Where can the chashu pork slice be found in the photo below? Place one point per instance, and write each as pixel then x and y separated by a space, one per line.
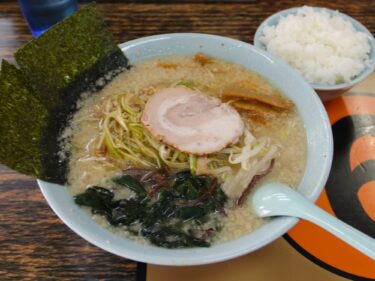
pixel 190 121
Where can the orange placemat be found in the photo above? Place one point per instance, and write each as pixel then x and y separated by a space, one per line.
pixel 308 252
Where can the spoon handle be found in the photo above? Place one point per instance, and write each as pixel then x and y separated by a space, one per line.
pixel 303 208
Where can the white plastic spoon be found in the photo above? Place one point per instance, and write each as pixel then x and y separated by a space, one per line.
pixel 276 199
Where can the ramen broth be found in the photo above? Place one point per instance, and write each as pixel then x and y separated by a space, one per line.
pixel 286 131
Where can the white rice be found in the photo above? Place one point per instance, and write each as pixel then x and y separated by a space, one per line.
pixel 324 47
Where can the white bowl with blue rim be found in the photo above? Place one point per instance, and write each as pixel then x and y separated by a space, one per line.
pixel 319 155
pixel 325 92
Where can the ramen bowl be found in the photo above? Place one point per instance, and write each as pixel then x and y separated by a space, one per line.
pixel 319 152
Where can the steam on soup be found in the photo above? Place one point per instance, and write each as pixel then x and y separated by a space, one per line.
pixel 167 152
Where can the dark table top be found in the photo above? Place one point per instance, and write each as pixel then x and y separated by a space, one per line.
pixel 35 244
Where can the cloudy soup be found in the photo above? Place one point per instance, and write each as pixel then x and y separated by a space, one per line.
pixel 169 151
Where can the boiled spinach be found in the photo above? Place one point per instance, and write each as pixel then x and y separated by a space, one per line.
pixel 131 183
pixel 171 218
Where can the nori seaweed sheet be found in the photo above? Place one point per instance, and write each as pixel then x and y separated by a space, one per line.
pixel 54 167
pixel 60 56
pixel 23 119
pixel 40 98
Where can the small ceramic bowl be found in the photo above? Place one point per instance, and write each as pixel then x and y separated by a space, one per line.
pixel 325 92
pixel 318 163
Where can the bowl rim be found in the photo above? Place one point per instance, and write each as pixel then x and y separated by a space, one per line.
pixel 194 256
pixel 366 72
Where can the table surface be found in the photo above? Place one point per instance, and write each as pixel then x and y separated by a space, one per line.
pixel 35 244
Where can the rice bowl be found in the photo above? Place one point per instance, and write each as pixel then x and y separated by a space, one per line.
pixel 324 90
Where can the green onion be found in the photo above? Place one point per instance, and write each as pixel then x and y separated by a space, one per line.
pixel 193 161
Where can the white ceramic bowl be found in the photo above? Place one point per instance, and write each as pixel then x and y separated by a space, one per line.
pixel 319 143
pixel 325 92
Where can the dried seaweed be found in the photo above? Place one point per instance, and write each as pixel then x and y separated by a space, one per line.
pixel 22 121
pixel 69 58
pixel 74 56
